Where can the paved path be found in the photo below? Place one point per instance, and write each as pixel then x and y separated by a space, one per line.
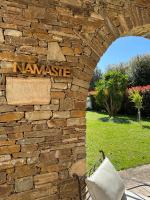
pixel 142 174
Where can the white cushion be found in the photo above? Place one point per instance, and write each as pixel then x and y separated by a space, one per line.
pixel 131 196
pixel 105 183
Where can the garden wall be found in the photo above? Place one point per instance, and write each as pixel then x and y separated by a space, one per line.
pixel 48 51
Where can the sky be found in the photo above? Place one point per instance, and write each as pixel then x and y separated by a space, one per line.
pixel 123 49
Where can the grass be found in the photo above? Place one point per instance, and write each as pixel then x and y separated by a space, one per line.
pixel 124 141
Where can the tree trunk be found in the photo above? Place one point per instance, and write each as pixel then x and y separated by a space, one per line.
pixel 139 115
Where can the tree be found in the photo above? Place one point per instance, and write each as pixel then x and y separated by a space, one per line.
pixel 96 76
pixel 110 91
pixel 139 71
pixel 122 67
pixel 137 99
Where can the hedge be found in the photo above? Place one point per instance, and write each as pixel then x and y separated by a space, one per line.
pixel 127 106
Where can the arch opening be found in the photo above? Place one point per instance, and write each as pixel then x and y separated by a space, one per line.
pixel 93 146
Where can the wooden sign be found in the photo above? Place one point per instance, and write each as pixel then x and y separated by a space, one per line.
pixel 34 69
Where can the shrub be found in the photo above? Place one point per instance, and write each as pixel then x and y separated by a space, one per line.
pixel 129 108
pixel 137 99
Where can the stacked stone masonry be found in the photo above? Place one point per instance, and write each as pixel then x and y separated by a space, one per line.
pixel 42 145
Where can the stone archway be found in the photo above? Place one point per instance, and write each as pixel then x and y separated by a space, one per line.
pixel 42 143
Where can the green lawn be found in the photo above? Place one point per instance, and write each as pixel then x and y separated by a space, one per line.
pixel 124 141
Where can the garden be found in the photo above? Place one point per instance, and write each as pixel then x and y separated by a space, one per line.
pixel 119 122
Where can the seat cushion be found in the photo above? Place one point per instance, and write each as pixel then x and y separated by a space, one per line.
pixel 132 196
pixel 105 183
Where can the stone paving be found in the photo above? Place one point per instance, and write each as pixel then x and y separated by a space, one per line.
pixel 141 174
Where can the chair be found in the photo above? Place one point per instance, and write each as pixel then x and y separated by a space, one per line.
pixel 84 192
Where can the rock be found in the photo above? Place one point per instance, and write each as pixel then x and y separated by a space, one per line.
pixel 72 59
pixel 33 160
pixel 50 107
pixel 79 105
pixel 24 184
pixel 6 47
pixel 45 178
pixel 75 121
pixel 62 86
pixel 11 116
pixel 61 114
pixel 56 123
pixel 58 95
pixel 66 104
pixel 77 113
pixel 1 36
pixel 5 190
pixel 11 56
pixel 77 51
pixel 5 64
pixel 7 142
pixel 31 141
pixel 9 149
pixel 2 177
pixel 80 83
pixel 16 129
pixel 42 133
pixel 34 12
pixel 38 115
pixel 26 108
pixel 3 137
pixel 5 158
pixel 55 101
pixel 29 148
pixel 25 91
pixel 14 33
pixel 12 163
pixel 2 100
pixel 6 108
pixel 17 136
pixel 78 168
pixel 25 170
pixel 75 3
pixel 21 41
pixel 67 51
pixel 55 53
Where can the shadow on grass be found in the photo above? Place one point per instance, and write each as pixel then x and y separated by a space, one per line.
pixel 144 126
pixel 116 120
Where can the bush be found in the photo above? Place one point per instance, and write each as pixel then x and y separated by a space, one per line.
pixel 128 106
pixel 137 98
pixel 95 105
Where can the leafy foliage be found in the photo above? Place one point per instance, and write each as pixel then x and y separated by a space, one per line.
pixel 122 67
pixel 139 71
pixel 110 91
pixel 137 99
pixel 96 76
pixel 130 106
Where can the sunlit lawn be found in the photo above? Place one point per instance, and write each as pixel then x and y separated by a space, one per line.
pixel 124 141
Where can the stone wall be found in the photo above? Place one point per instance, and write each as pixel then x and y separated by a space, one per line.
pixel 42 141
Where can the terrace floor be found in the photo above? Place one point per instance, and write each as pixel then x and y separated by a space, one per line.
pixel 141 174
